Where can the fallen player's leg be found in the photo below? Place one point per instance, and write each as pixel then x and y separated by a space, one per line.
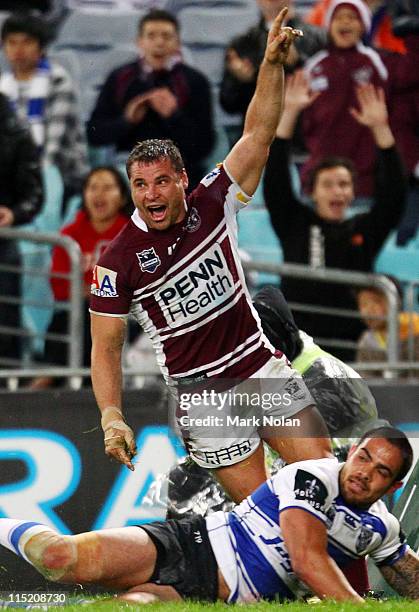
pixel 115 558
pixel 164 561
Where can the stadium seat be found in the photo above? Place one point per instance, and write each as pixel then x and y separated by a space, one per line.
pixel 258 239
pixel 215 26
pixel 219 151
pixel 68 59
pixel 175 6
pixel 97 64
pixel 208 59
pixel 401 262
pixel 36 291
pixel 73 207
pixel 99 29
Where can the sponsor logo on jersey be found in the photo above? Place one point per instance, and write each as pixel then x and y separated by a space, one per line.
pixel 149 260
pixel 364 539
pixel 211 176
pixel 193 292
pixel 104 282
pixel 193 222
pixel 309 488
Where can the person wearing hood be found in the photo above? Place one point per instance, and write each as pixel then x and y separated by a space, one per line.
pixel 335 73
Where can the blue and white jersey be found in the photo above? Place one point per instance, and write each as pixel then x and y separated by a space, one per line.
pixel 248 542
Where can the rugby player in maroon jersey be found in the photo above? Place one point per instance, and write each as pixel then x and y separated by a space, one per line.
pixel 176 269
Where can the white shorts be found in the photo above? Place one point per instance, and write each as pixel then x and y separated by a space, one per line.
pixel 223 428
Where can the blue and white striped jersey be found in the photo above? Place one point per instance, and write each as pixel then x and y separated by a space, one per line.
pixel 248 543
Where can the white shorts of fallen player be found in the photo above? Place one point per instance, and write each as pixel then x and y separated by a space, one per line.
pixel 223 428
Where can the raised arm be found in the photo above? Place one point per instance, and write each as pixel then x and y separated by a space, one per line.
pixel 403 576
pixel 305 537
pixel 108 334
pixel 281 201
pixel 372 113
pixel 390 184
pixel 247 159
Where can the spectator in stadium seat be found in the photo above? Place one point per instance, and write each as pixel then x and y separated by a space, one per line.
pixel 176 268
pixel 372 345
pixel 322 236
pixel 328 128
pixel 288 540
pixel 157 96
pixel 43 95
pixel 105 207
pixel 120 5
pixel 245 53
pixel 21 195
pixel 380 34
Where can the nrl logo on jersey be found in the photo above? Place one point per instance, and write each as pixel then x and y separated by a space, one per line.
pixel 364 539
pixel 193 222
pixel 149 260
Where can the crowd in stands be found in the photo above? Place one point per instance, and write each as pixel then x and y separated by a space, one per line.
pixel 351 113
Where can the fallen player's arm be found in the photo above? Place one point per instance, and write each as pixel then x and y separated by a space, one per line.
pixel 305 537
pixel 403 576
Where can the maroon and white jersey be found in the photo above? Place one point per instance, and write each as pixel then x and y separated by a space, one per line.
pixel 186 288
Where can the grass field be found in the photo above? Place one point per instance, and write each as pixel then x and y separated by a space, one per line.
pixel 393 605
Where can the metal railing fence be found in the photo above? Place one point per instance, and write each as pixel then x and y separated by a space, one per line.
pixel 74 337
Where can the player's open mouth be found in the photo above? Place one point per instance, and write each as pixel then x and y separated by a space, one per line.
pixel 158 212
pixel 356 486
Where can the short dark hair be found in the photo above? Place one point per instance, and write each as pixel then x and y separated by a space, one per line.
pixel 24 23
pixel 397 438
pixel 158 15
pixel 122 185
pixel 328 162
pixel 155 149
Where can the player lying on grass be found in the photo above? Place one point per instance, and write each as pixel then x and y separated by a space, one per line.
pixel 285 541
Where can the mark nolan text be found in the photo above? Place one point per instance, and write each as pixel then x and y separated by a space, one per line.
pixel 264 421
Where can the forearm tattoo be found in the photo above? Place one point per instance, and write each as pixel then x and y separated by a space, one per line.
pixel 403 576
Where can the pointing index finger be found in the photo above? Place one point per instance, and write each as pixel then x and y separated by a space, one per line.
pixel 277 24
